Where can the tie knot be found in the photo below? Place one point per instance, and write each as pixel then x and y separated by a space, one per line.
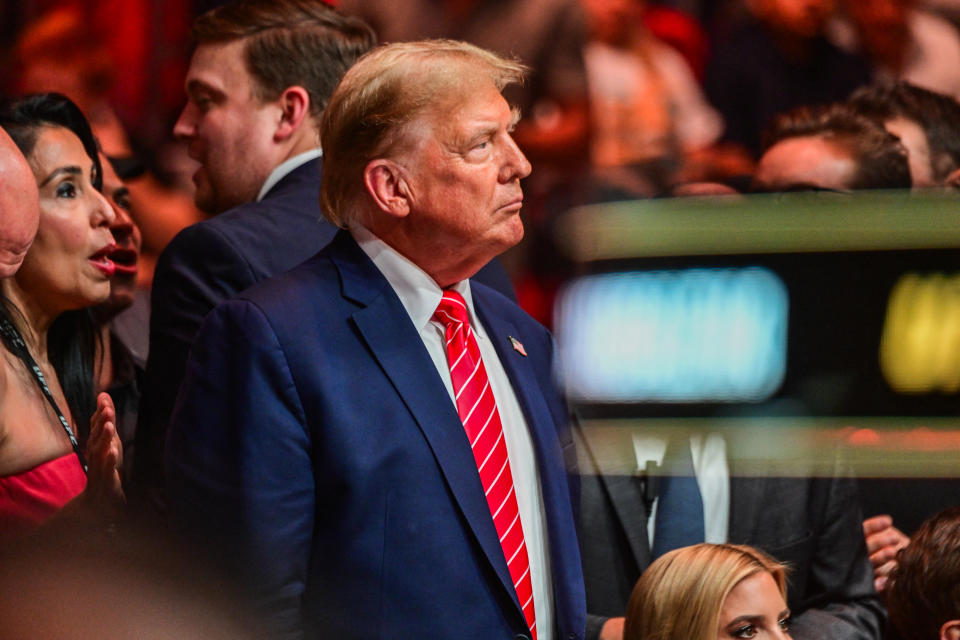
pixel 452 309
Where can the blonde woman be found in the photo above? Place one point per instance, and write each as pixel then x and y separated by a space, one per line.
pixel 707 592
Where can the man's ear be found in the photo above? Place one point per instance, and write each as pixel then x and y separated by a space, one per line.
pixel 294 105
pixel 950 630
pixel 387 186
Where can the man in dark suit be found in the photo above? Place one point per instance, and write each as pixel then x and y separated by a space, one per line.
pixel 372 439
pixel 809 519
pixel 257 85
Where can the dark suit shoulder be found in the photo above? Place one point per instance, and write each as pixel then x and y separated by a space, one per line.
pixel 278 232
pixel 314 277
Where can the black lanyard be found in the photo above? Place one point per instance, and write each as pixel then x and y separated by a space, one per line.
pixel 13 338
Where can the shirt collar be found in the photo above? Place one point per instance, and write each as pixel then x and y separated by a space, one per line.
pixel 281 170
pixel 418 292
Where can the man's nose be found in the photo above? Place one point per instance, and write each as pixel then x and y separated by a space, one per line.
pixel 185 126
pixel 122 227
pixel 515 165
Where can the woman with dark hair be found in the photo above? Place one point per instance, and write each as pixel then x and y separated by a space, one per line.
pixel 46 368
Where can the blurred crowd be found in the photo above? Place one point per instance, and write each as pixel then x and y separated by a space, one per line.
pixel 152 165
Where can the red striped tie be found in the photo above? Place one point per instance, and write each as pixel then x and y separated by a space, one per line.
pixel 481 420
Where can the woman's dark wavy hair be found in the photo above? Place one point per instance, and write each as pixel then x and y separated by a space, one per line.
pixel 72 338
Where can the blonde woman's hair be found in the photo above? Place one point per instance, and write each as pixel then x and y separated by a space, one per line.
pixel 383 92
pixel 680 595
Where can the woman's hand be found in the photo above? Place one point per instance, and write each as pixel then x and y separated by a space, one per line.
pixel 104 457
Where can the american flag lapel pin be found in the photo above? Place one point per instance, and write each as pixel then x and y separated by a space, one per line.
pixel 518 346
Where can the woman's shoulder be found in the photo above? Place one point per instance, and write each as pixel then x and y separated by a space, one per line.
pixel 27 433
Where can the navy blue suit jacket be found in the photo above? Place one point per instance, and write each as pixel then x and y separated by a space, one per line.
pixel 315 435
pixel 205 264
pixel 212 261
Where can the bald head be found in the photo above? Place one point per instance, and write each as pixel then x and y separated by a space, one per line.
pixel 19 206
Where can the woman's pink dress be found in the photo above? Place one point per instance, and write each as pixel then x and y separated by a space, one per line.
pixel 29 498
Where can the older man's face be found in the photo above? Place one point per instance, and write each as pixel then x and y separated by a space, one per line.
pixel 19 206
pixel 463 170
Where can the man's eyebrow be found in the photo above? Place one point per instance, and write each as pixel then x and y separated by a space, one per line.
pixel 196 86
pixel 72 170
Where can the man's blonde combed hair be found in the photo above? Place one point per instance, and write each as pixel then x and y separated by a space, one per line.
pixel 680 595
pixel 385 90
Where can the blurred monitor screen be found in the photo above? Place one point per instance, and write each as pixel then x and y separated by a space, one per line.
pixel 793 305
pixel 686 335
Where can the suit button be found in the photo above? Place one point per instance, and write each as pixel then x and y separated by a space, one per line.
pixel 521 636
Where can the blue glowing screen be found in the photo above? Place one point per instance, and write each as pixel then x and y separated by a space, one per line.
pixel 691 335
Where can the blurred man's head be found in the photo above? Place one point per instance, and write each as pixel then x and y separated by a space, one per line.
pixel 418 147
pixel 927 123
pixel 798 18
pixel 830 148
pixel 923 595
pixel 19 206
pixel 257 84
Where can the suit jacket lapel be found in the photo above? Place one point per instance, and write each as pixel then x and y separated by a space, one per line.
pixel 626 498
pixel 398 349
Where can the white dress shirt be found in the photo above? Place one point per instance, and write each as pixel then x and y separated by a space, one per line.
pixel 420 296
pixel 709 451
pixel 281 170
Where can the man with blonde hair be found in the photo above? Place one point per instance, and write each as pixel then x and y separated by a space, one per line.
pixel 379 435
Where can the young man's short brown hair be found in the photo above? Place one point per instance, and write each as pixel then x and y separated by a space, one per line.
pixel 289 43
pixel 924 589
pixel 880 158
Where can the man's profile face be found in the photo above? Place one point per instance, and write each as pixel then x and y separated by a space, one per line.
pixel 463 170
pixel 126 235
pixel 805 163
pixel 227 129
pixel 19 206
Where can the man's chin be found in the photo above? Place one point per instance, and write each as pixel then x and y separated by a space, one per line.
pixel 514 232
pixel 207 202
